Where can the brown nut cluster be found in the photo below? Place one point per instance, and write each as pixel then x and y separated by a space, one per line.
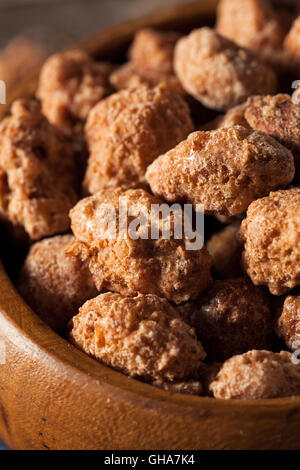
pixel 121 262
pixel 288 323
pixel 257 374
pixel 271 235
pixel 70 84
pixel 153 50
pixel 253 24
pixel 278 117
pixel 226 251
pixel 37 172
pixel 142 336
pixel 128 130
pixel 225 170
pixel 219 73
pixel 53 284
pixel 230 318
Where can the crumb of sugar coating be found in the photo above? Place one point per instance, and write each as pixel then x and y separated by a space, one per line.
pixel 271 235
pixel 127 76
pixel 121 263
pixel 288 323
pixel 142 336
pixel 256 375
pixel 70 84
pixel 189 387
pixel 37 172
pixel 226 251
pixel 278 117
pixel 128 130
pixel 219 73
pixel 225 170
pixel 253 24
pixel 153 50
pixel 52 283
pixel 231 317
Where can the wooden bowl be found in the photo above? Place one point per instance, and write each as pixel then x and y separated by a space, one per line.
pixel 52 396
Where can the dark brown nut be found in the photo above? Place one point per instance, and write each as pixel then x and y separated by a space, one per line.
pixel 142 336
pixel 153 50
pixel 37 172
pixel 271 234
pixel 253 24
pixel 121 263
pixel 257 374
pixel 127 76
pixel 232 317
pixel 278 117
pixel 53 284
pixel 128 130
pixel 219 73
pixel 70 84
pixel 226 252
pixel 288 323
pixel 225 170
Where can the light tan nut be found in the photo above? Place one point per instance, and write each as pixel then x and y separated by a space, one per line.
pixel 234 117
pixel 153 50
pixel 37 172
pixel 278 117
pixel 225 170
pixel 253 24
pixel 271 232
pixel 257 374
pixel 53 284
pixel 70 84
pixel 219 73
pixel 142 336
pixel 232 317
pixel 226 251
pixel 288 323
pixel 121 263
pixel 127 76
pixel 128 130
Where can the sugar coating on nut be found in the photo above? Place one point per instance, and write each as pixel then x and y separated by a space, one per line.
pixel 153 50
pixel 257 374
pixel 225 170
pixel 121 263
pixel 219 73
pixel 52 283
pixel 253 24
pixel 271 234
pixel 226 251
pixel 128 130
pixel 70 84
pixel 142 336
pixel 234 117
pixel 230 318
pixel 128 76
pixel 278 117
pixel 37 172
pixel 288 323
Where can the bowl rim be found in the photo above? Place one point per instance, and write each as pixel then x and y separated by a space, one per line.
pixel 21 325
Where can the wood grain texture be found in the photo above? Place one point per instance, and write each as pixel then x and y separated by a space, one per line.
pixel 52 396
